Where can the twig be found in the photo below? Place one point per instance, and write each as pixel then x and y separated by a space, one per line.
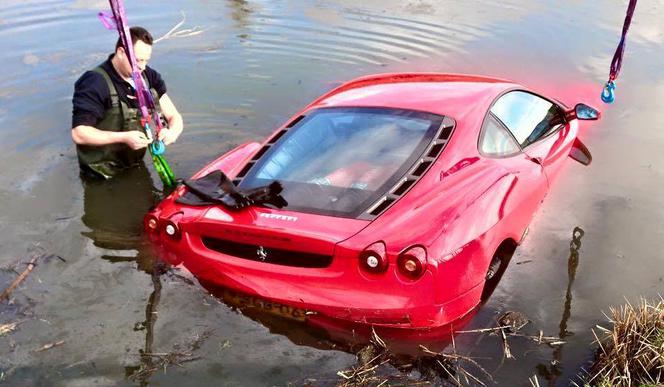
pixel 157 354
pixel 506 347
pixel 7 328
pixel 534 382
pixel 456 358
pixel 469 375
pixel 50 345
pixel 165 359
pixel 174 33
pixel 7 292
pixel 458 383
pixel 375 338
pixel 500 328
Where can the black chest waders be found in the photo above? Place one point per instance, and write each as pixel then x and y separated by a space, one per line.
pixel 107 161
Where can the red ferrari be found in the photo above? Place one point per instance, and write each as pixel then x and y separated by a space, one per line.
pixel 395 200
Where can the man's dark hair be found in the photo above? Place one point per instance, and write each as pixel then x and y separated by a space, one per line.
pixel 137 33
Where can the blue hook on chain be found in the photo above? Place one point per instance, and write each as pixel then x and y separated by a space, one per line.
pixel 157 148
pixel 608 92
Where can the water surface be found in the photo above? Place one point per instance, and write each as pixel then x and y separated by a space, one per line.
pixel 255 64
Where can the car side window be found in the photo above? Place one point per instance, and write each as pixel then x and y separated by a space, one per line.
pixel 528 116
pixel 496 141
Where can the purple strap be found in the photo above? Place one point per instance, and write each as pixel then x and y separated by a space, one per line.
pixel 118 20
pixel 107 20
pixel 616 63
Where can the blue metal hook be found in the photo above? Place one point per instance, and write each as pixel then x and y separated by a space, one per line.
pixel 608 92
pixel 157 148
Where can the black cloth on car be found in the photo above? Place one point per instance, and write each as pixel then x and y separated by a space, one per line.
pixel 217 188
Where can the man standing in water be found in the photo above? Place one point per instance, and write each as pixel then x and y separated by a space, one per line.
pixel 106 123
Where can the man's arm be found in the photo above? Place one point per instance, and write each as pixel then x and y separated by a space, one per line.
pixel 90 101
pixel 175 124
pixel 89 135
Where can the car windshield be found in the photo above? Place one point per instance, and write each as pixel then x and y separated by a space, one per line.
pixel 338 161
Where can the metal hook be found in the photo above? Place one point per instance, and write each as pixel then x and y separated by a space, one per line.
pixel 157 148
pixel 608 92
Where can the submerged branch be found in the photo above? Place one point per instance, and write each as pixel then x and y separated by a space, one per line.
pixel 24 274
pixel 48 346
pixel 174 33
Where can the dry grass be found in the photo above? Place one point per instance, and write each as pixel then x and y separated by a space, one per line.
pixel 632 354
pixel 434 368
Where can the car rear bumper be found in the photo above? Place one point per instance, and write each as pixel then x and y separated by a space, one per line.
pixel 341 291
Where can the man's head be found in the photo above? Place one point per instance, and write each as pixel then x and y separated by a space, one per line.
pixel 142 41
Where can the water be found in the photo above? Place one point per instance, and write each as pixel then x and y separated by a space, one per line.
pixel 255 64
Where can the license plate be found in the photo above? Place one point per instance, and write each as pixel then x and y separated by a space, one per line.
pixel 242 301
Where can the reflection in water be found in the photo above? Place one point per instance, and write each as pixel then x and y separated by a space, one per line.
pixel 142 372
pixel 393 356
pixel 114 212
pixel 241 12
pixel 321 332
pixel 572 263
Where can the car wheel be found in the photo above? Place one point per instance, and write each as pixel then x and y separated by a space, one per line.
pixel 494 267
pixel 497 267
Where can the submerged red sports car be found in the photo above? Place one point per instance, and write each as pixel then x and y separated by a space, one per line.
pixel 399 196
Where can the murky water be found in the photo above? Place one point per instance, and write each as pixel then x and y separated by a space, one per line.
pixel 255 64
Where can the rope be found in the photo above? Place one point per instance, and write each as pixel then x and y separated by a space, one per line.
pixel 608 92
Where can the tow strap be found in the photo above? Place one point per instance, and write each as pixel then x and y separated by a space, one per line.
pixel 145 101
pixel 608 92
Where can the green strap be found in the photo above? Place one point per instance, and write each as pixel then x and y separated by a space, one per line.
pixel 163 170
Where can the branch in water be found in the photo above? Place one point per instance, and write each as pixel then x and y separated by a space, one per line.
pixel 174 33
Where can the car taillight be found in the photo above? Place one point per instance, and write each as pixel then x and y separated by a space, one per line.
pixel 172 230
pixel 151 223
pixel 374 258
pixel 412 262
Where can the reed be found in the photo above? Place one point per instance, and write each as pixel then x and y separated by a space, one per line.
pixel 632 353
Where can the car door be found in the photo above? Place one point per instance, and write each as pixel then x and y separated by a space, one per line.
pixel 529 184
pixel 539 126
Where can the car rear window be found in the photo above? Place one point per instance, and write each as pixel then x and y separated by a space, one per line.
pixel 337 161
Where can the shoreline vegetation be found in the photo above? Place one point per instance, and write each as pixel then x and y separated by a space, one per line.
pixel 632 352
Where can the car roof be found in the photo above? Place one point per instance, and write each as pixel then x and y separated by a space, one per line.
pixel 452 95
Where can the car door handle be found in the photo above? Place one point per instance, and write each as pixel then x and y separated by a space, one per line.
pixel 536 160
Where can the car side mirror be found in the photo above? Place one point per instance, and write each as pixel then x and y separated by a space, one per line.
pixel 585 112
pixel 580 152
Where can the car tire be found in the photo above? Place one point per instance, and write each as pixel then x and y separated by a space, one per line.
pixel 497 267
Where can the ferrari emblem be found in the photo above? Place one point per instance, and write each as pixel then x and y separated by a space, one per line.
pixel 261 253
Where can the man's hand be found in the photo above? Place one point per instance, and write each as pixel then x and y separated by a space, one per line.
pixel 174 119
pixel 168 136
pixel 136 140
